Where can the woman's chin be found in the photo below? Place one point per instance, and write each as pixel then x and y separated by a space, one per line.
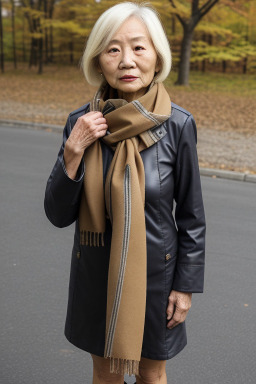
pixel 131 91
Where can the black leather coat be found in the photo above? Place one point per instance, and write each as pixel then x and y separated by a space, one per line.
pixel 175 247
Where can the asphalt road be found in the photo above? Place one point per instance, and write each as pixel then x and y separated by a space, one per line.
pixel 35 261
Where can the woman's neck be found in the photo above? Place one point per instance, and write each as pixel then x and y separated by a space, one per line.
pixel 132 95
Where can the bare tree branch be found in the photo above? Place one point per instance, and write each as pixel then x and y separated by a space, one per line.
pixel 206 7
pixel 182 21
pixel 172 3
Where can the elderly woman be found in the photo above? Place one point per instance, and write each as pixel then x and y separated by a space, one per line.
pixel 126 157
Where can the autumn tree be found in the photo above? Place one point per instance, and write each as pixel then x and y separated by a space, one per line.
pixel 224 37
pixel 56 31
pixel 39 14
pixel 189 24
pixel 33 13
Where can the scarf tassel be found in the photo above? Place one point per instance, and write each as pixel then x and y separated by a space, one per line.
pixel 124 366
pixel 89 238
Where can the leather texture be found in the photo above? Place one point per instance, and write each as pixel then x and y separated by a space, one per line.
pixel 175 230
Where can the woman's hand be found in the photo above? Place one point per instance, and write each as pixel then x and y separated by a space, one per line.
pixel 178 307
pixel 88 128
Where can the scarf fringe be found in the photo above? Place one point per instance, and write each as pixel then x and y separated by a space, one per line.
pixel 124 366
pixel 92 239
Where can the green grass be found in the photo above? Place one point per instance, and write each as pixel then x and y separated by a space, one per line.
pixel 238 84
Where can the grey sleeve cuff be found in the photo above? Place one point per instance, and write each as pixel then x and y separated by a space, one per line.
pixel 80 171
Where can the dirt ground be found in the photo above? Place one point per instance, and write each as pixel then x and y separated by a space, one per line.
pixel 225 120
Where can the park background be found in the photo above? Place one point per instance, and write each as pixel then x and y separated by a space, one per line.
pixel 213 76
pixel 41 82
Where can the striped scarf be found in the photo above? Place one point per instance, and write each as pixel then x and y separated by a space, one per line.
pixel 129 132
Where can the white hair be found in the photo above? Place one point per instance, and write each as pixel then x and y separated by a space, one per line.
pixel 107 25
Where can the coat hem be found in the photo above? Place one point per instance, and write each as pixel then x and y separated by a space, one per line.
pixel 164 356
pixel 83 347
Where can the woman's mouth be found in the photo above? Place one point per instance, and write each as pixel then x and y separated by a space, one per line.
pixel 128 78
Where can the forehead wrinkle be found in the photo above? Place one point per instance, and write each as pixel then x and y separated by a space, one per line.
pixel 133 39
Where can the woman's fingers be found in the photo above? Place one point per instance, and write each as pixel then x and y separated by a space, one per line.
pixel 170 309
pixel 87 129
pixel 93 114
pixel 91 122
pixel 100 121
pixel 178 317
pixel 102 127
pixel 178 307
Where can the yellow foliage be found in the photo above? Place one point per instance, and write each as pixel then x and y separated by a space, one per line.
pixel 33 13
pixel 229 27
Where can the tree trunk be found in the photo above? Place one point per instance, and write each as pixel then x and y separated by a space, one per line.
pixel 1 40
pixel 46 45
pixel 51 45
pixel 189 24
pixel 40 56
pixel 183 77
pixel 203 65
pixel 71 52
pixel 23 39
pixel 46 39
pixel 40 44
pixel 173 25
pixel 245 65
pixel 34 44
pixel 33 52
pixel 224 66
pixel 13 35
pixel 51 9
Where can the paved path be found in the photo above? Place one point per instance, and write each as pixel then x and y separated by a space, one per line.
pixel 35 260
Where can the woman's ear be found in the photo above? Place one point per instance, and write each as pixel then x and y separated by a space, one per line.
pixel 158 65
pixel 97 65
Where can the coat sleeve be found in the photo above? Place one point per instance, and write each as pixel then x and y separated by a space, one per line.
pixel 189 214
pixel 62 195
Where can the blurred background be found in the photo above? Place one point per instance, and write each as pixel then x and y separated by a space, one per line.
pixel 213 44
pixel 214 67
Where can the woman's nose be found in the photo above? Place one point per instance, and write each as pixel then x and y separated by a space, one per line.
pixel 127 60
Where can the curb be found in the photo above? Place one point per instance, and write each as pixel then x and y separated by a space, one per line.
pixel 31 125
pixel 210 172
pixel 231 175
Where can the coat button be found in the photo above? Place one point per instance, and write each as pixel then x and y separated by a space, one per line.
pixel 168 256
pixel 78 255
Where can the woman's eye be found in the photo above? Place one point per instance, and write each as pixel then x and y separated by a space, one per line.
pixel 138 48
pixel 113 50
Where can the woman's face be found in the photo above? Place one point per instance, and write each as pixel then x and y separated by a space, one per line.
pixel 130 61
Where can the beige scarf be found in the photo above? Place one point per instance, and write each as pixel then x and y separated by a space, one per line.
pixel 129 132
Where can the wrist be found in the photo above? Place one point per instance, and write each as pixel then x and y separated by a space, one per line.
pixel 73 150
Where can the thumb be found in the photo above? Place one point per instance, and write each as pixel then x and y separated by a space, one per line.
pixel 170 310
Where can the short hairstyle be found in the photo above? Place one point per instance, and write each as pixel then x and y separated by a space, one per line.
pixel 107 25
